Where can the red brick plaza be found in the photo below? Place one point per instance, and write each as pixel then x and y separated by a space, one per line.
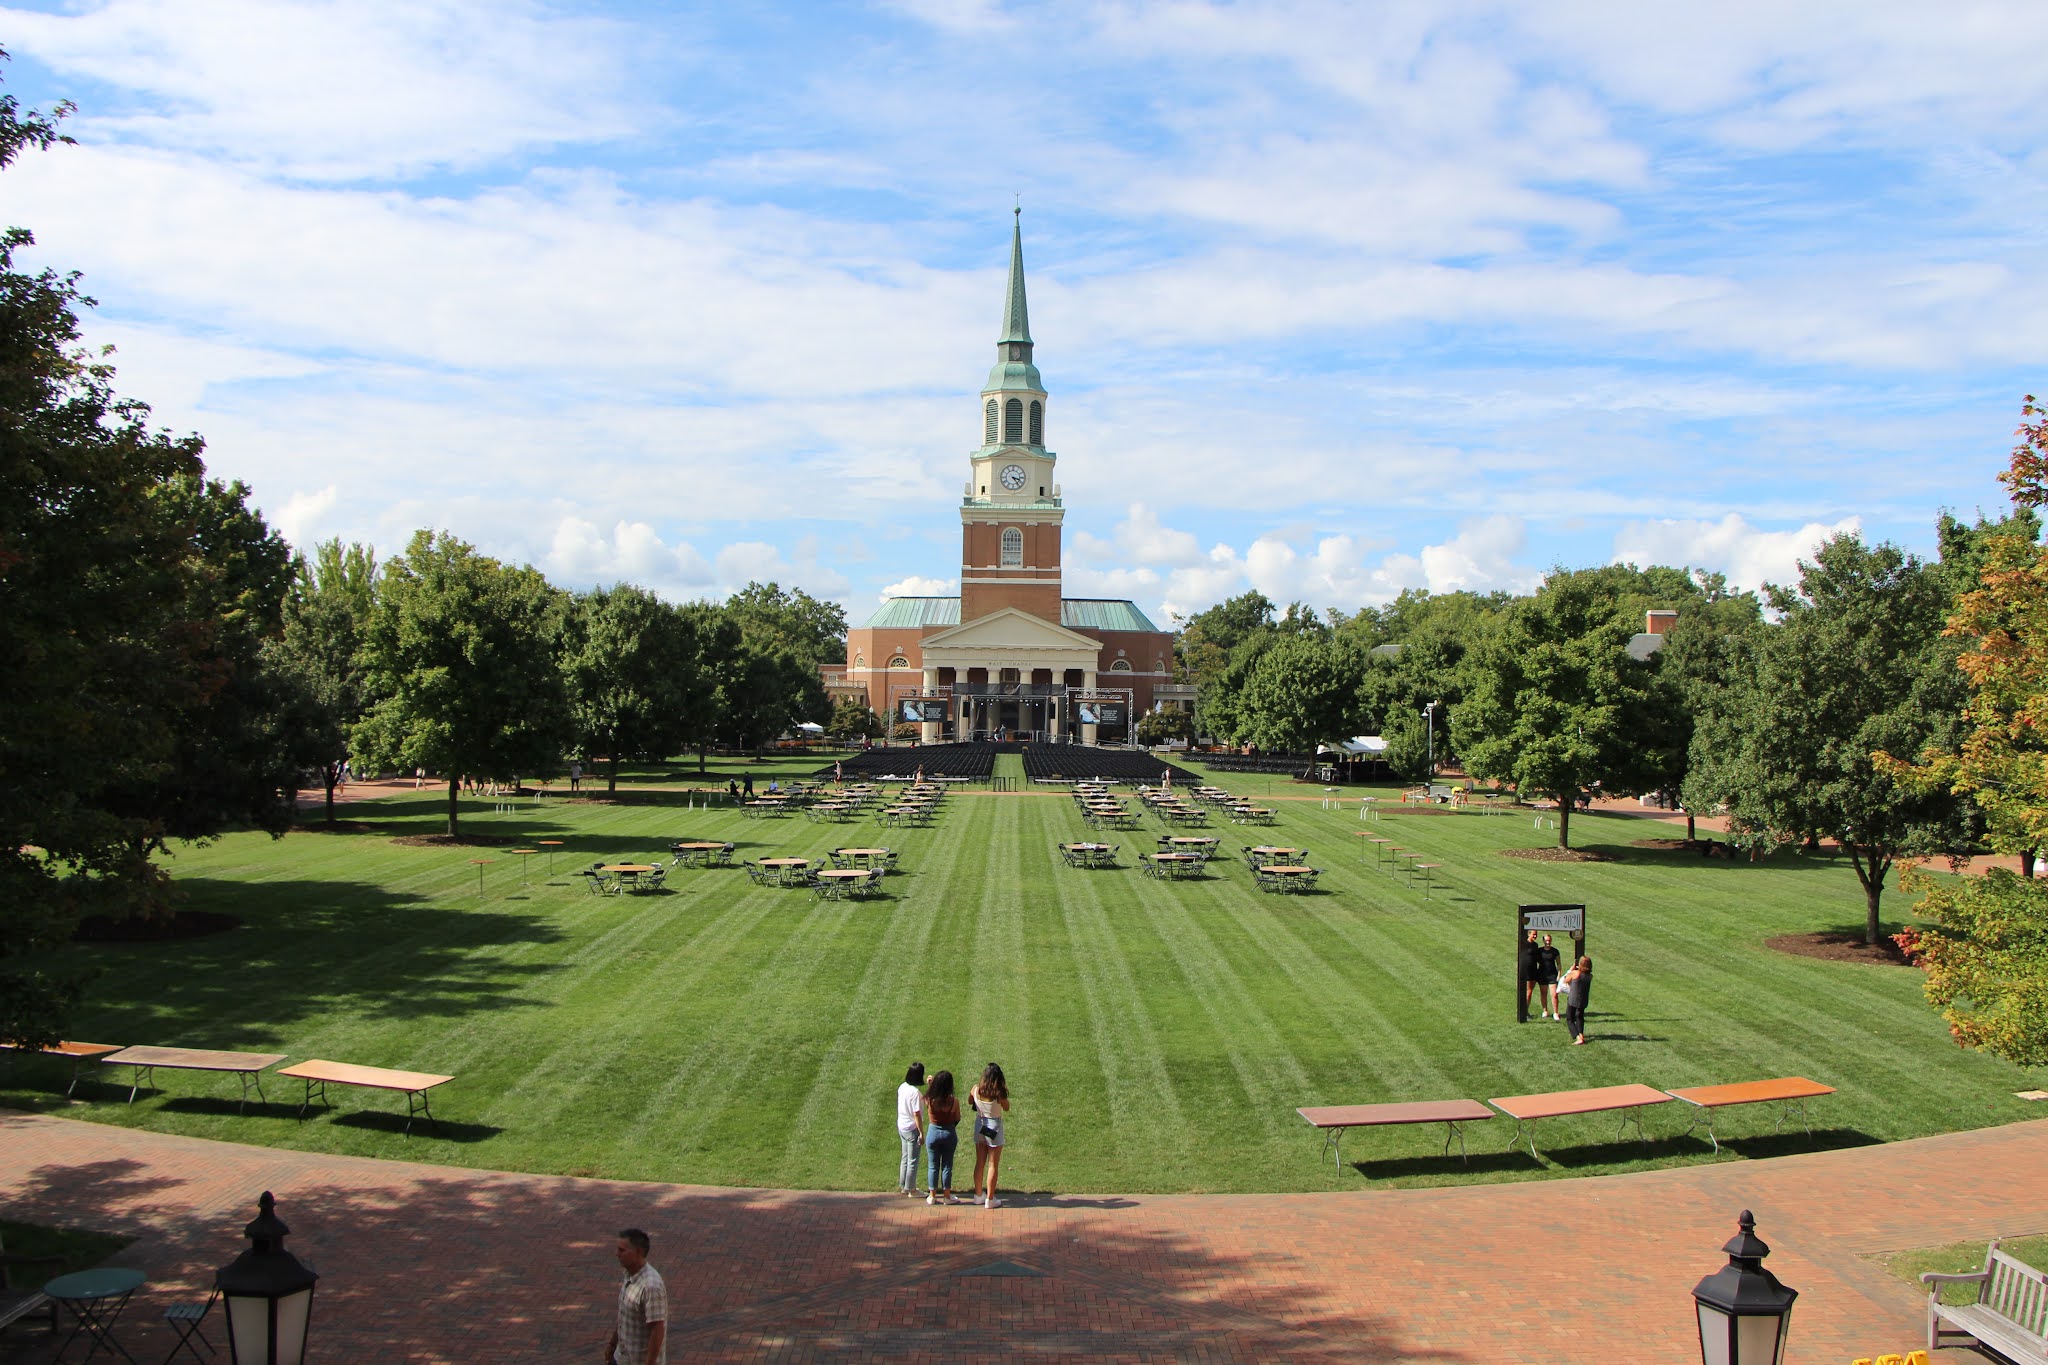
pixel 431 1263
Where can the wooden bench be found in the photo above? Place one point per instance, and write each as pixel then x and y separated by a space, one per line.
pixel 2010 1314
pixel 318 1075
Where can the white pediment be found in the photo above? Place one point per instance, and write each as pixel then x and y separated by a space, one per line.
pixel 1009 629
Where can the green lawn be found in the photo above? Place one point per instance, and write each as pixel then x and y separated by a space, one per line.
pixel 1157 1036
pixel 1961 1258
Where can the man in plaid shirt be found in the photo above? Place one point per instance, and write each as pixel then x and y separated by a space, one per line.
pixel 641 1336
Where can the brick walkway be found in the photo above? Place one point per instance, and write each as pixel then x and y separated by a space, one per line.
pixel 430 1264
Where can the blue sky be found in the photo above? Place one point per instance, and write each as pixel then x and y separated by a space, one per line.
pixel 1332 299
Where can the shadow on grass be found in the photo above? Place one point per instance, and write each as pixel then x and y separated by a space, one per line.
pixel 873 1279
pixel 308 949
pixel 1410 1167
pixel 423 1129
pixel 1792 1141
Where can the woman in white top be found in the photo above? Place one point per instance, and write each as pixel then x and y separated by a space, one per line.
pixel 910 1127
pixel 991 1098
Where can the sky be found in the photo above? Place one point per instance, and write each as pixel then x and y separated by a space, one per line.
pixel 1332 299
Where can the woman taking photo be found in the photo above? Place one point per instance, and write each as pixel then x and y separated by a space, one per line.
pixel 991 1097
pixel 1578 992
pixel 941 1119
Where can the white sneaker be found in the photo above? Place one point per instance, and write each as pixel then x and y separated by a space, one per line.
pixel 993 1204
pixel 931 1199
pixel 977 1199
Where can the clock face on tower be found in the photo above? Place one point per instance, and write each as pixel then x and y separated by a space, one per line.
pixel 1013 476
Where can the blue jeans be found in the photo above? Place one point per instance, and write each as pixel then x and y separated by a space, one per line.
pixel 940 1142
pixel 906 1172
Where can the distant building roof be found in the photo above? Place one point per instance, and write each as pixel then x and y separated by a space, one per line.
pixel 1095 613
pixel 1076 613
pixel 1641 647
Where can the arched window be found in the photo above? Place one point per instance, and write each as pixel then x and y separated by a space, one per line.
pixel 860 661
pixel 988 435
pixel 1013 548
pixel 899 662
pixel 1013 421
pixel 1037 423
pixel 1120 666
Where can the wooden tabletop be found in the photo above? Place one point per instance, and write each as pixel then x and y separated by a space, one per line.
pixel 843 873
pixel 523 850
pixel 1751 1092
pixel 1189 839
pixel 698 844
pixel 1559 1103
pixel 861 852
pixel 785 862
pixel 1285 871
pixel 627 867
pixel 69 1049
pixel 1274 848
pixel 347 1073
pixel 1175 858
pixel 193 1059
pixel 1411 1111
pixel 1087 848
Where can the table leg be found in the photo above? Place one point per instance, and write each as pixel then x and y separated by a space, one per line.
pixel 1635 1113
pixel 250 1080
pixel 140 1073
pixel 1525 1131
pixel 1453 1128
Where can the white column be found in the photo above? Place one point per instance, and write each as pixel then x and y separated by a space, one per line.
pixel 1088 685
pixel 929 732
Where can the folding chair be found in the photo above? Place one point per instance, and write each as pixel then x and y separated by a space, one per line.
pixel 594 879
pixel 757 874
pixel 185 1320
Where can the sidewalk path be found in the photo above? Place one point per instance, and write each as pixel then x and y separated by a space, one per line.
pixel 432 1264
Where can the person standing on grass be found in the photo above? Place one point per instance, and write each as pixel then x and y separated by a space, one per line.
pixel 910 1127
pixel 1526 960
pixel 747 789
pixel 1547 963
pixel 1578 992
pixel 991 1098
pixel 640 1336
pixel 575 774
pixel 941 1137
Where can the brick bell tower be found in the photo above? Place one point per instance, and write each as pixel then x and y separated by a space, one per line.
pixel 1010 518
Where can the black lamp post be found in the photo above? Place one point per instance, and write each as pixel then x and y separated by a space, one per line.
pixel 1744 1312
pixel 268 1293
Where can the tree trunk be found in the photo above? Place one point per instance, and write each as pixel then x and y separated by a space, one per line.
pixel 2027 863
pixel 328 775
pixel 1564 821
pixel 1871 866
pixel 611 777
pixel 454 801
pixel 700 757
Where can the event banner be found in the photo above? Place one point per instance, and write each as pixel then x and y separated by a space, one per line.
pixel 920 710
pixel 1102 713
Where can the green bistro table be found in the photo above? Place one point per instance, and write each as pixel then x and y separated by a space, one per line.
pixel 95 1298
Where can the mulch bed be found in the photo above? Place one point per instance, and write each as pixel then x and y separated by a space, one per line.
pixel 183 924
pixel 459 841
pixel 1669 845
pixel 1556 855
pixel 1839 945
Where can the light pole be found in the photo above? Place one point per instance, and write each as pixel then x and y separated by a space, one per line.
pixel 1429 721
pixel 268 1295
pixel 1744 1312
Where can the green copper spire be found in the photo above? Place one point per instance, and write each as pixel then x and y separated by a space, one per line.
pixel 1016 320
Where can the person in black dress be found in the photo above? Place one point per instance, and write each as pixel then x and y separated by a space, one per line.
pixel 1578 992
pixel 1547 963
pixel 1526 965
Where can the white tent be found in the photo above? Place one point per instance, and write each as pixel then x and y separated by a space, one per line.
pixel 1362 746
pixel 811 727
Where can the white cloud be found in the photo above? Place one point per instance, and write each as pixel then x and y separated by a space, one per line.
pixel 302 515
pixel 919 586
pixel 582 555
pixel 1748 556
pixel 367 89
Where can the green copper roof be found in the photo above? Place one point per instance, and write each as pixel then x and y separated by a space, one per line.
pixel 1016 319
pixel 1095 613
pixel 1021 375
pixel 1076 613
pixel 908 613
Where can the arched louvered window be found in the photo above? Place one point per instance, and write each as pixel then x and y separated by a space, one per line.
pixel 1013 548
pixel 1013 421
pixel 899 662
pixel 1120 666
pixel 1037 423
pixel 988 436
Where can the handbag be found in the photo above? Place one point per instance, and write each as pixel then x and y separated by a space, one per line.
pixel 986 1130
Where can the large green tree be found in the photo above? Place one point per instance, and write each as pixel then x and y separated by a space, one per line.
pixel 1855 666
pixel 461 655
pixel 630 661
pixel 317 658
pixel 1302 691
pixel 134 594
pixel 1556 704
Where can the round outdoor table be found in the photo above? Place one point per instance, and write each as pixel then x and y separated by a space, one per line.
pixel 481 863
pixel 843 874
pixel 684 851
pixel 784 866
pixel 1274 851
pixel 1284 871
pixel 550 845
pixel 1191 839
pixel 626 867
pixel 523 854
pixel 867 855
pixel 96 1298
